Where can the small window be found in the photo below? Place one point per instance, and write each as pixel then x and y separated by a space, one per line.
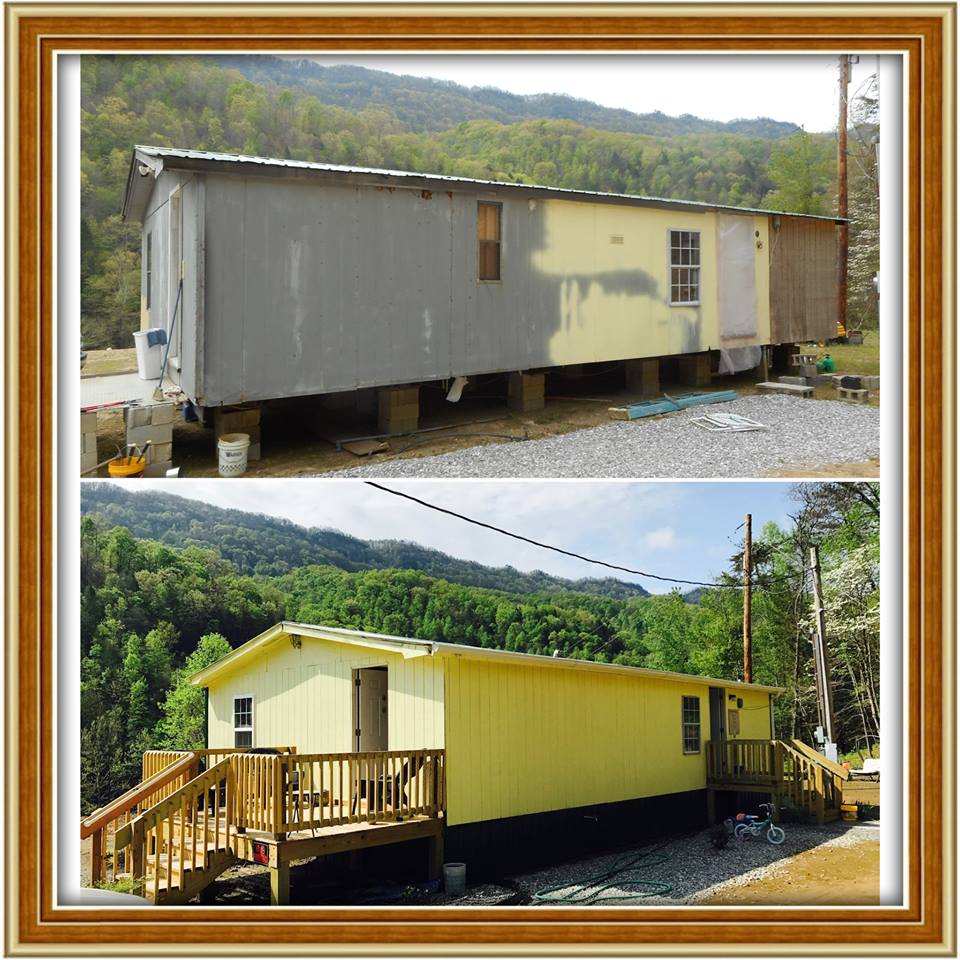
pixel 488 239
pixel 149 268
pixel 684 266
pixel 691 724
pixel 243 721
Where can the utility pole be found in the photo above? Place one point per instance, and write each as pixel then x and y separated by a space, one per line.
pixel 747 652
pixel 821 659
pixel 843 240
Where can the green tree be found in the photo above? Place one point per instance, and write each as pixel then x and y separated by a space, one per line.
pixel 183 723
pixel 802 169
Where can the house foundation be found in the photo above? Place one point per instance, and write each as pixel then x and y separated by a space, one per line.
pixel 398 409
pixel 643 377
pixel 525 392
pixel 694 370
pixel 88 441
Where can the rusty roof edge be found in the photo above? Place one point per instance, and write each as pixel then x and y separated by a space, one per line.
pixel 266 163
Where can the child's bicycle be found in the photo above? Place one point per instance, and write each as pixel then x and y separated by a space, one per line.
pixel 752 826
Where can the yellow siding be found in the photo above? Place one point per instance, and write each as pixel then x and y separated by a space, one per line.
pixel 615 296
pixel 526 739
pixel 754 715
pixel 303 697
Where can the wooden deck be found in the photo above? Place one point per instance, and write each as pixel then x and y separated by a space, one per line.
pixel 197 812
pixel 792 773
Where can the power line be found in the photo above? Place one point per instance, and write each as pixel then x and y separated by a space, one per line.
pixel 547 546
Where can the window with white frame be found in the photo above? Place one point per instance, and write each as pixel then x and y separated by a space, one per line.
pixel 691 724
pixel 243 721
pixel 684 266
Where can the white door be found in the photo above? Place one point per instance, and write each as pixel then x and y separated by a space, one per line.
pixel 371 709
pixel 736 276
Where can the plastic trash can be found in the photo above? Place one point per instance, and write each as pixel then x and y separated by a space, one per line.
pixel 149 359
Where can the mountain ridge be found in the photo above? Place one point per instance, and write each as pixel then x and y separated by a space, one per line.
pixel 272 546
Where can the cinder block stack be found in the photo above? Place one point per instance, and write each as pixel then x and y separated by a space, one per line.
pixel 154 423
pixel 398 409
pixel 245 419
pixel 525 392
pixel 88 441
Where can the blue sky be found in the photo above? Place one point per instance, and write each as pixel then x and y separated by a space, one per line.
pixel 684 530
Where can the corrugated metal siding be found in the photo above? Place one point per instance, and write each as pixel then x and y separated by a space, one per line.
pixel 303 697
pixel 316 288
pixel 529 739
pixel 803 280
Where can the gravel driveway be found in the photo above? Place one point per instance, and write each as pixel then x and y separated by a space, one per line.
pixel 800 433
pixel 690 866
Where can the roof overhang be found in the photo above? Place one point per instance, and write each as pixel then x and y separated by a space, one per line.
pixel 144 169
pixel 408 648
pixel 288 629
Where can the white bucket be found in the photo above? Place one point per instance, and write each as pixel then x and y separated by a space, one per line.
pixel 454 879
pixel 149 359
pixel 232 450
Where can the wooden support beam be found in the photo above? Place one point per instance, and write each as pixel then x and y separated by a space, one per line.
pixel 280 885
pixel 96 857
pixel 435 856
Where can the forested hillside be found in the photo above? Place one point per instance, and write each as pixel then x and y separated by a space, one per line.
pixel 271 546
pixel 347 115
pixel 151 615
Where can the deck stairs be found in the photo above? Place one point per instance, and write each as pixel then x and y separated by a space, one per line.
pixel 170 836
pixel 790 771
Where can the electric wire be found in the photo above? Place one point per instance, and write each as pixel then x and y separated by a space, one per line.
pixel 570 553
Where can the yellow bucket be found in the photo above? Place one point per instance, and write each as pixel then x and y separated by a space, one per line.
pixel 126 466
pixel 848 811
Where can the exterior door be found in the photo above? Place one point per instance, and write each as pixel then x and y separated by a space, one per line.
pixel 370 709
pixel 718 721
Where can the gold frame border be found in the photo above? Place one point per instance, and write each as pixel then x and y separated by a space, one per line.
pixel 34 925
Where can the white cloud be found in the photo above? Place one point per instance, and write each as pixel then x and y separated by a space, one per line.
pixel 663 538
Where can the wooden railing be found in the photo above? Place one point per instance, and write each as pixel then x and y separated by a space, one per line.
pixel 164 773
pixel 285 794
pixel 789 771
pixel 181 833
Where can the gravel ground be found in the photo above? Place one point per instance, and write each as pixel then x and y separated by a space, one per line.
pixel 690 865
pixel 800 433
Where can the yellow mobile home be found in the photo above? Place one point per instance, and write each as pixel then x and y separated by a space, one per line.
pixel 322 741
pixel 541 754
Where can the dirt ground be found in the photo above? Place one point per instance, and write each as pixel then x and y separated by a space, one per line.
pixel 298 435
pixel 828 875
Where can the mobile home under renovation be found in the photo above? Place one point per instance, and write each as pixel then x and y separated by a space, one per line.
pixel 291 278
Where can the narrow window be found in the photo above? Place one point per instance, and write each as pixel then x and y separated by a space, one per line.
pixel 488 237
pixel 243 721
pixel 149 267
pixel 691 724
pixel 684 266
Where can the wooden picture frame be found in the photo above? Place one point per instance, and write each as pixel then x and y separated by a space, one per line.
pixel 36 925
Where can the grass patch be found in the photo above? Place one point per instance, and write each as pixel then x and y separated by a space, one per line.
pixel 856 757
pixel 863 358
pixel 126 885
pixel 103 363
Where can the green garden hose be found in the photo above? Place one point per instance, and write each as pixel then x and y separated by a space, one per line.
pixel 594 889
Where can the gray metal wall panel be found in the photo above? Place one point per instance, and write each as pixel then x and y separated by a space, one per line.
pixel 187 322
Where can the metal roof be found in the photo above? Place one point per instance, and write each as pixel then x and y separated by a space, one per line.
pixel 177 158
pixel 409 647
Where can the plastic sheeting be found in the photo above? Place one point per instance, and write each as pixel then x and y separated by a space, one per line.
pixel 738 359
pixel 737 276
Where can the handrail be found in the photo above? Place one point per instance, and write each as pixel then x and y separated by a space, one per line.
pixel 127 801
pixel 826 762
pixel 192 810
